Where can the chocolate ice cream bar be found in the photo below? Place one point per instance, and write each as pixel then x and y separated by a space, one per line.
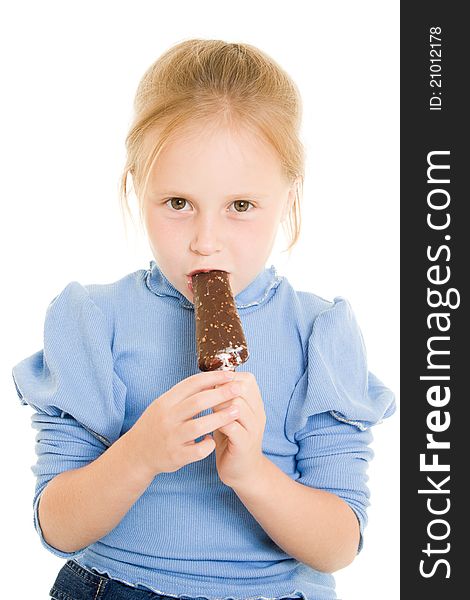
pixel 221 343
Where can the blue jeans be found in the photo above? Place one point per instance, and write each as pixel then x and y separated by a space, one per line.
pixel 77 583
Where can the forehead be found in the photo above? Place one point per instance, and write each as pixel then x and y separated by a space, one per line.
pixel 216 150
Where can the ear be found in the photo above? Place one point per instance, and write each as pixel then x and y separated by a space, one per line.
pixel 290 200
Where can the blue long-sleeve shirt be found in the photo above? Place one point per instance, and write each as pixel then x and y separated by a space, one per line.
pixel 110 350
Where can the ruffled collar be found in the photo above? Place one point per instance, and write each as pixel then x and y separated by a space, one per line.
pixel 257 292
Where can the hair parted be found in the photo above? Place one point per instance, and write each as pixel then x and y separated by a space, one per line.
pixel 197 81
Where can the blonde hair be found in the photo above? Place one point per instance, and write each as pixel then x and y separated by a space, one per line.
pixel 198 80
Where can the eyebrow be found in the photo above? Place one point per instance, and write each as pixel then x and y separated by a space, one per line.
pixel 229 197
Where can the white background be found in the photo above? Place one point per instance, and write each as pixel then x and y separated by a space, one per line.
pixel 69 72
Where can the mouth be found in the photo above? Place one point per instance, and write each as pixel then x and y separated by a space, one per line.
pixel 189 276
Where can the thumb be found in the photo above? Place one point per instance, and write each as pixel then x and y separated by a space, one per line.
pixel 218 437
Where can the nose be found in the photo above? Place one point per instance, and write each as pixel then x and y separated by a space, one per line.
pixel 207 236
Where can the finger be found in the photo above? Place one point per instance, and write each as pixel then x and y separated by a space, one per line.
pixel 245 417
pixel 236 433
pixel 244 409
pixel 202 448
pixel 195 428
pixel 251 392
pixel 196 383
pixel 193 405
pixel 246 393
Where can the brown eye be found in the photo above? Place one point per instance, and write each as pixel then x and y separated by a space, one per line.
pixel 241 205
pixel 177 203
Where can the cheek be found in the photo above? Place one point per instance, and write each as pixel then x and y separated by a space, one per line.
pixel 265 229
pixel 253 239
pixel 160 236
pixel 160 229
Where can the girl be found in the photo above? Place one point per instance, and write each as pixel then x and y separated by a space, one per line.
pixel 156 479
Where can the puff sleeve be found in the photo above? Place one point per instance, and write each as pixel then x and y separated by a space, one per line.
pixel 334 405
pixel 78 398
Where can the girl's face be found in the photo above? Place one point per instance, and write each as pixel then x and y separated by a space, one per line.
pixel 215 199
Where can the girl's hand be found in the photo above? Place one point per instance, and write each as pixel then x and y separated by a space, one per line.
pixel 162 439
pixel 239 444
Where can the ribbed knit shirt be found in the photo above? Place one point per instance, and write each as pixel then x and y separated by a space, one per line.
pixel 112 349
